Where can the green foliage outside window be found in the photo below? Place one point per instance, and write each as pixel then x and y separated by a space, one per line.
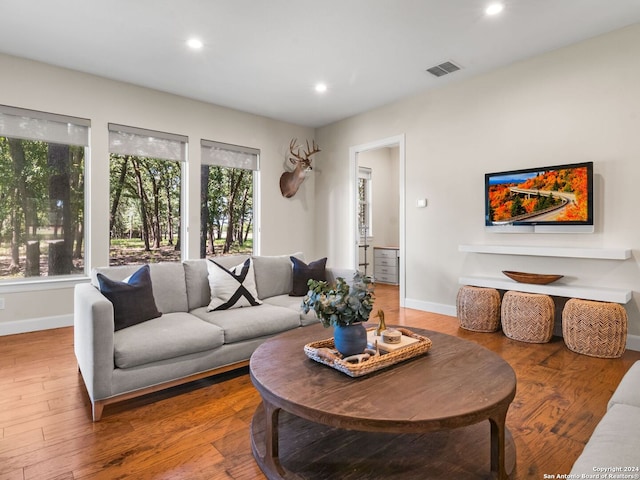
pixel 41 209
pixel 226 214
pixel 144 219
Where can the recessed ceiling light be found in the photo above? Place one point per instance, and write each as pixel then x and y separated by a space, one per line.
pixel 321 87
pixel 494 9
pixel 195 43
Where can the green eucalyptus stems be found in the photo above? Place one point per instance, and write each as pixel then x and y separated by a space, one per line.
pixel 340 304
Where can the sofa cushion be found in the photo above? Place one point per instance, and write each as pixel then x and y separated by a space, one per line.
pixel 294 303
pixel 628 390
pixel 196 278
pixel 169 287
pixel 302 273
pixel 251 322
pixel 167 278
pixel 169 336
pixel 232 288
pixel 615 442
pixel 274 274
pixel 132 298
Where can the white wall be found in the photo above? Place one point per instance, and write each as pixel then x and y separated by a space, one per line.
pixel 37 86
pixel 579 103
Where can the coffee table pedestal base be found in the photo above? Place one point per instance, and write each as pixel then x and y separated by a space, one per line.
pixel 306 450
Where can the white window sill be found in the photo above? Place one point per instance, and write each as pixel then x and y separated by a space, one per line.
pixel 42 283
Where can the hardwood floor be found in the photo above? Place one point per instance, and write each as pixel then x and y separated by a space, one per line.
pixel 201 430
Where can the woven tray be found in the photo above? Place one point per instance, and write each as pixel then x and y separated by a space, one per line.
pixel 374 363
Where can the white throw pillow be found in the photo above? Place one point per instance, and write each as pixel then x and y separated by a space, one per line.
pixel 232 288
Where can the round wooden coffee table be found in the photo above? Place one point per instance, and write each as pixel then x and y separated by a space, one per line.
pixel 422 418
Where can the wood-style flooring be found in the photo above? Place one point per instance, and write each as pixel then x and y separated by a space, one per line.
pixel 201 430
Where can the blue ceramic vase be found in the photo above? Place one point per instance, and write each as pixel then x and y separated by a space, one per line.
pixel 350 339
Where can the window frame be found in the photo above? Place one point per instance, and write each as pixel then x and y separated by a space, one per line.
pixel 238 154
pixel 157 145
pixel 365 174
pixel 51 128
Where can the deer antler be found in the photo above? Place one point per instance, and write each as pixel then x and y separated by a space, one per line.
pixel 309 152
pixel 292 145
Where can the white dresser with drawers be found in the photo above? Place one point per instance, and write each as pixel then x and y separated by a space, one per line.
pixel 385 265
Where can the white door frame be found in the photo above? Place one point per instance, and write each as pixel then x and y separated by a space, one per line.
pixel 395 141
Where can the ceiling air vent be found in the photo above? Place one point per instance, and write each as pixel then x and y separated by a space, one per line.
pixel 443 69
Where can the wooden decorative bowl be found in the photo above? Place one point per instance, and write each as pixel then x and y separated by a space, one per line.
pixel 537 278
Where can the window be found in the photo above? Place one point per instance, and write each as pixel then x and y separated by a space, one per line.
pixel 145 171
pixel 227 185
pixel 365 227
pixel 42 161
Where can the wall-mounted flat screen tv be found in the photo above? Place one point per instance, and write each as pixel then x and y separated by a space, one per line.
pixel 560 195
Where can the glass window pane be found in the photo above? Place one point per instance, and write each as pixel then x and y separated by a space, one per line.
pixel 227 208
pixel 42 208
pixel 42 165
pixel 145 196
pixel 365 226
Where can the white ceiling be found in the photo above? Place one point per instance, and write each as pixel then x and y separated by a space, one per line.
pixel 265 56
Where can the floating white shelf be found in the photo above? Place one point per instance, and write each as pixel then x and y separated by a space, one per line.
pixel 570 252
pixel 556 289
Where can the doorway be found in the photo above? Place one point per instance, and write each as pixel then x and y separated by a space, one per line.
pixel 370 228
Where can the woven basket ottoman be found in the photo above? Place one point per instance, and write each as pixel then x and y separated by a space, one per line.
pixel 478 308
pixel 597 329
pixel 527 317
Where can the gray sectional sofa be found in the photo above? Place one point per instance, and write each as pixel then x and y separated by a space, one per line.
pixel 613 451
pixel 186 342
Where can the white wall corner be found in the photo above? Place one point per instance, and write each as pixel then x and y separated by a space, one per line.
pixel 35 324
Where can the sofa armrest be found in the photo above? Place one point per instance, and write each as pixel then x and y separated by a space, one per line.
pixel 93 339
pixel 628 391
pixel 614 443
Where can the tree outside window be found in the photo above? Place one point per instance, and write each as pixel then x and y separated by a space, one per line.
pixel 227 211
pixel 144 220
pixel 145 170
pixel 227 215
pixel 42 161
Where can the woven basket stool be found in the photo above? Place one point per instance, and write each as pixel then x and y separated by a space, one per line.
pixel 597 329
pixel 478 308
pixel 527 317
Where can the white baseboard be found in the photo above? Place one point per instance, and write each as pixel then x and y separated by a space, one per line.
pixel 633 341
pixel 430 307
pixel 35 324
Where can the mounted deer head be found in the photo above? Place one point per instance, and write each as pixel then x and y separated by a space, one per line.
pixel 290 181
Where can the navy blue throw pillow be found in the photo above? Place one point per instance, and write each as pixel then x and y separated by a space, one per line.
pixel 302 273
pixel 132 299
